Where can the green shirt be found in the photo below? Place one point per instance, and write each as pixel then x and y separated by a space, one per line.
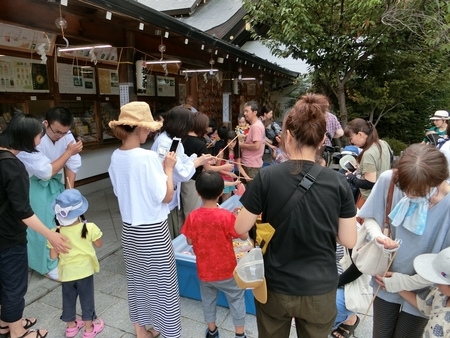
pixel 374 161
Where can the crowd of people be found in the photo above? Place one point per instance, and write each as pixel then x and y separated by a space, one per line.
pixel 175 187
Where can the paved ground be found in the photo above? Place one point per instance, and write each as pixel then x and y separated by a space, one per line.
pixel 43 299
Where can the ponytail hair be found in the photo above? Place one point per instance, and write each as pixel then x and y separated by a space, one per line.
pixel 367 127
pixel 84 231
pixel 306 121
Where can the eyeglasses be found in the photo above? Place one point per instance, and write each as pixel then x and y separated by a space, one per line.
pixel 57 132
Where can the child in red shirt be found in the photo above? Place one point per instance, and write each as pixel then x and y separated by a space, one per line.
pixel 210 230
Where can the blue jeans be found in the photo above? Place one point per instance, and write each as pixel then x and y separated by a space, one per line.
pixel 13 282
pixel 342 312
pixel 70 292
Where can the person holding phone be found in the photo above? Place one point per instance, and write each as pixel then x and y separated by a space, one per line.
pixel 176 126
pixel 144 186
pixel 374 159
pixel 56 161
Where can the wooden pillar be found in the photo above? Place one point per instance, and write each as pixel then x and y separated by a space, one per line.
pixel 126 67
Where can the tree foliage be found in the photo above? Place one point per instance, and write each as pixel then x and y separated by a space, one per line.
pixel 341 38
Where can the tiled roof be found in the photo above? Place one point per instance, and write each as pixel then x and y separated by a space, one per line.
pixel 214 13
pixel 172 7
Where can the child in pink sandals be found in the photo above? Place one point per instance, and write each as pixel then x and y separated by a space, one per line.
pixel 76 268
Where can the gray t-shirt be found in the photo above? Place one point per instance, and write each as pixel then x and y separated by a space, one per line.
pixel 435 237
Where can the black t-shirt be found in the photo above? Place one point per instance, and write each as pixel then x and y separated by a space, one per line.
pixel 195 145
pixel 301 257
pixel 15 188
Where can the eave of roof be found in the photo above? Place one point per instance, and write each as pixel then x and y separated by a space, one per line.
pixel 154 17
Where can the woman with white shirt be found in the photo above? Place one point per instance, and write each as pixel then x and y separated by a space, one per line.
pixel 178 123
pixel 144 187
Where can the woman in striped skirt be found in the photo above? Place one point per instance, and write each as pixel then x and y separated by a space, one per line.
pixel 143 187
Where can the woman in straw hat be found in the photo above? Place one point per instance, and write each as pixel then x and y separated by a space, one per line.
pixel 144 187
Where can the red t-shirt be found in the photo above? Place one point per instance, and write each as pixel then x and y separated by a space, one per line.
pixel 211 231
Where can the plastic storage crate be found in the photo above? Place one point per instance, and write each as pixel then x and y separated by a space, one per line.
pixel 188 281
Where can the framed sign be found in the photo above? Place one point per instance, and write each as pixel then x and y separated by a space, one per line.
pixel 165 86
pixel 108 81
pixel 181 93
pixel 23 75
pixel 75 79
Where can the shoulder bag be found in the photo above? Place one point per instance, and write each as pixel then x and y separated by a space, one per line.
pixel 265 231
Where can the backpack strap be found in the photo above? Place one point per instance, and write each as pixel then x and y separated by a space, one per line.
pixel 387 223
pixel 300 190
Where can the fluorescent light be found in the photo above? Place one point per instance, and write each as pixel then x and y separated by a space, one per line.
pixel 198 70
pixel 246 79
pixel 161 62
pixel 82 48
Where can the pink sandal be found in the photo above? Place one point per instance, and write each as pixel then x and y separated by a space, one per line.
pixel 73 331
pixel 98 324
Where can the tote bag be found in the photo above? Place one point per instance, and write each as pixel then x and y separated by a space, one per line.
pixel 358 294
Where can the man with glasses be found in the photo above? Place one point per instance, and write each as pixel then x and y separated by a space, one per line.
pixel 56 162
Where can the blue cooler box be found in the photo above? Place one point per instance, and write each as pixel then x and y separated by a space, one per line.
pixel 188 281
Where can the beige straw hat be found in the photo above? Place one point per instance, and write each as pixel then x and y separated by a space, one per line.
pixel 136 114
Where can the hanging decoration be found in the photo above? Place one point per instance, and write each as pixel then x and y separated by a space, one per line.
pixel 62 24
pixel 162 49
pixel 240 73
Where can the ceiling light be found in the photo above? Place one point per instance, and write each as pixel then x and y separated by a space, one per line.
pixel 161 62
pixel 199 70
pixel 70 49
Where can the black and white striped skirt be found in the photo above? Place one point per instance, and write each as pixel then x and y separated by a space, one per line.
pixel 153 296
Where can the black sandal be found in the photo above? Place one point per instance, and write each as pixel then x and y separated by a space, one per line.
pixel 345 330
pixel 37 331
pixel 28 324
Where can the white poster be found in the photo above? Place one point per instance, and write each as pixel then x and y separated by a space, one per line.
pixel 165 86
pixel 75 79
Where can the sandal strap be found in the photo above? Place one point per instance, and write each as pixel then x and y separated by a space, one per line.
pixel 37 331
pixel 341 332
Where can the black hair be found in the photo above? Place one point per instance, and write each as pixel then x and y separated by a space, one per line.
pixel 264 110
pixel 21 132
pixel 226 153
pixel 178 122
pixel 212 123
pixel 84 230
pixel 209 185
pixel 159 114
pixel 59 114
pixel 222 132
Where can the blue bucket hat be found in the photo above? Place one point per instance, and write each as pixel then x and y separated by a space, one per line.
pixel 69 204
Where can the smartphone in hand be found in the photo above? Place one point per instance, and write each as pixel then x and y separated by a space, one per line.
pixel 350 167
pixel 174 145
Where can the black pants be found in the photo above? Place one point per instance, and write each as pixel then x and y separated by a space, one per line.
pixel 13 282
pixel 390 322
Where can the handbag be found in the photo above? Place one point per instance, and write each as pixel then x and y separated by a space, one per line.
pixel 358 294
pixel 370 257
pixel 264 231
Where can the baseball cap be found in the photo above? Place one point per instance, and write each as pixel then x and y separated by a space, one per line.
pixel 434 267
pixel 249 274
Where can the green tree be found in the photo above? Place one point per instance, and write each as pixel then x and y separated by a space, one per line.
pixel 337 37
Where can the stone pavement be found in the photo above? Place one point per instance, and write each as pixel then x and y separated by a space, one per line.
pixel 43 299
